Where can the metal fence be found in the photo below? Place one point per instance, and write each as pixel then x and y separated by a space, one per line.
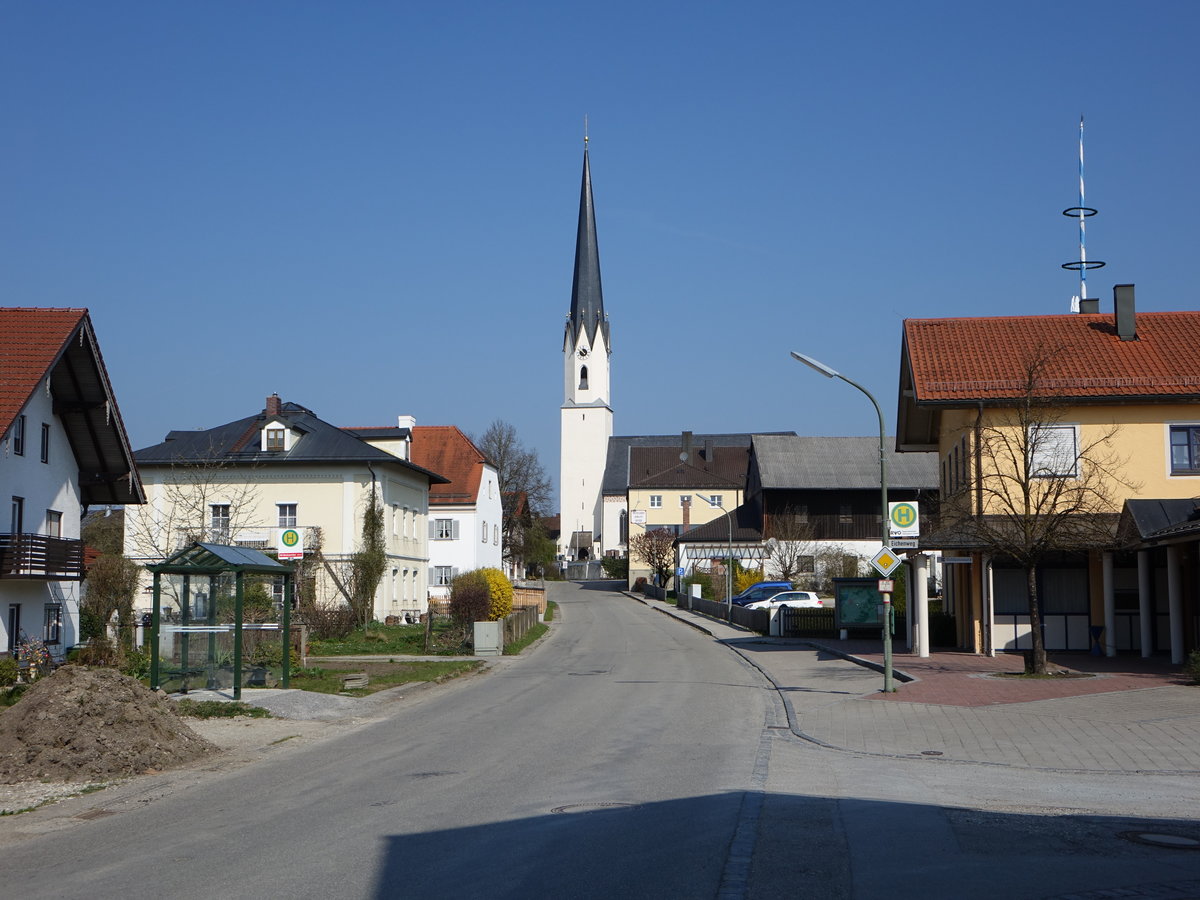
pixel 758 620
pixel 794 622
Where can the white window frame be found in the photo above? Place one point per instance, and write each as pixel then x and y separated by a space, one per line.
pixel 443 575
pixel 716 500
pixel 214 517
pixel 18 437
pixel 656 501
pixel 445 530
pixel 286 521
pixel 1049 451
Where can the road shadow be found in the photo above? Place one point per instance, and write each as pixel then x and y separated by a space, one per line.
pixel 791 845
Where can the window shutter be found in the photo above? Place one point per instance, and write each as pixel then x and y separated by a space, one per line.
pixel 454 573
pixel 432 529
pixel 454 526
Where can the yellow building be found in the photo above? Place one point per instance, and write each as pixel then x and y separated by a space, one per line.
pixel 673 489
pixel 1093 414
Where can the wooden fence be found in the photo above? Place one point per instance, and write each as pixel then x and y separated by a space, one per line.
pixel 518 622
pixel 530 596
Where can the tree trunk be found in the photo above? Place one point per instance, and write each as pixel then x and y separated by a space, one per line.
pixel 1035 659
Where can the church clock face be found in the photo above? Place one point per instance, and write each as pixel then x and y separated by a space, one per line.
pixel 582 352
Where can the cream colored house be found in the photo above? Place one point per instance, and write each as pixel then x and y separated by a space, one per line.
pixel 1126 385
pixel 282 468
pixel 679 487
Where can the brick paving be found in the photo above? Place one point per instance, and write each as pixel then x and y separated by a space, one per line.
pixel 1132 715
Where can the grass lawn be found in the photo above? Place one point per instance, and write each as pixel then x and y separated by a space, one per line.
pixel 389 640
pixel 328 680
pixel 530 636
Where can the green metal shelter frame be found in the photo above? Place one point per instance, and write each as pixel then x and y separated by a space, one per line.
pixel 214 560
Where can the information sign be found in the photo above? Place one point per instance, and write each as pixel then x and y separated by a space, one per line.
pixel 903 520
pixel 289 544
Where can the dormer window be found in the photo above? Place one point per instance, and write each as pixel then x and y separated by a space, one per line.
pixel 277 436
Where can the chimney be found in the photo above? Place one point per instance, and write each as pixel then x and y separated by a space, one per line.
pixel 686 456
pixel 1090 306
pixel 708 454
pixel 687 511
pixel 409 422
pixel 1123 304
pixel 274 406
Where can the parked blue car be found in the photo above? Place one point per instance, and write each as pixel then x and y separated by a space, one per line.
pixel 761 590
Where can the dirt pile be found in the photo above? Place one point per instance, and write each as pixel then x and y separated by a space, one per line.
pixel 89 724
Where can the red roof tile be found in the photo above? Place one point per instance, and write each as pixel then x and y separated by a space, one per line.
pixel 446 450
pixel 984 358
pixel 31 341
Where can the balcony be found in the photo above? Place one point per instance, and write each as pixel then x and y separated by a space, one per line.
pixel 40 556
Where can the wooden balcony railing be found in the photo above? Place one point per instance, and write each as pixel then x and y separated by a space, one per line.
pixel 40 556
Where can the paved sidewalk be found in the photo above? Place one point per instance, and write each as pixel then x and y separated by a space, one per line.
pixel 1131 715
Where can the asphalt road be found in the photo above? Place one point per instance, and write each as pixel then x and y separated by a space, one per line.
pixel 628 756
pixel 610 762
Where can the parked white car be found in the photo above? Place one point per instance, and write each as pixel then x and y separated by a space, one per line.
pixel 797 599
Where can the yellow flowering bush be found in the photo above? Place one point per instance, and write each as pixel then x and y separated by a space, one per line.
pixel 500 592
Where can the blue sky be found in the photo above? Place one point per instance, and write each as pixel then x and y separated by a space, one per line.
pixel 370 207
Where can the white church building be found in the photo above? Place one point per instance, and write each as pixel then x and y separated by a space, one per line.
pixel 587 416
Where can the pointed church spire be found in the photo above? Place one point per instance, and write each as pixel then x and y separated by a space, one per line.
pixel 587 298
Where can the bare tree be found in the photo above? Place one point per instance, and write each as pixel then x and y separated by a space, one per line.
pixel 524 485
pixel 830 561
pixel 1039 487
pixel 206 499
pixel 657 550
pixel 789 545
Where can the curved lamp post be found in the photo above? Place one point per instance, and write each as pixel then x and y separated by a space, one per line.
pixel 728 559
pixel 883 509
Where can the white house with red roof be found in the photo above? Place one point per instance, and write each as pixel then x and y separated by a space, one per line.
pixel 63 449
pixel 465 515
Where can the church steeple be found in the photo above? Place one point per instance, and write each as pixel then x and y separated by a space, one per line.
pixel 587 297
pixel 586 414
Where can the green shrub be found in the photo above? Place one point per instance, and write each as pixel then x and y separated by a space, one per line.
pixel 221 709
pixel 135 664
pixel 470 598
pixel 615 566
pixel 10 695
pixel 706 586
pixel 8 671
pixel 269 653
pixel 1192 666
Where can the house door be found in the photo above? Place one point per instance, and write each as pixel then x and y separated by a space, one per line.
pixel 14 626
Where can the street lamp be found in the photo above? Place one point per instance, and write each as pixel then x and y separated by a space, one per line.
pixel 883 509
pixel 728 560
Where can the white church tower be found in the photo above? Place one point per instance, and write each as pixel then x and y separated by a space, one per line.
pixel 587 417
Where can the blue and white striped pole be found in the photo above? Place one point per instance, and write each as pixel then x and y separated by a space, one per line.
pixel 1082 226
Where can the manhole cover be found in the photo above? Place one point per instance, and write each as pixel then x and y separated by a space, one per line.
pixel 590 807
pixel 931 752
pixel 1160 839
